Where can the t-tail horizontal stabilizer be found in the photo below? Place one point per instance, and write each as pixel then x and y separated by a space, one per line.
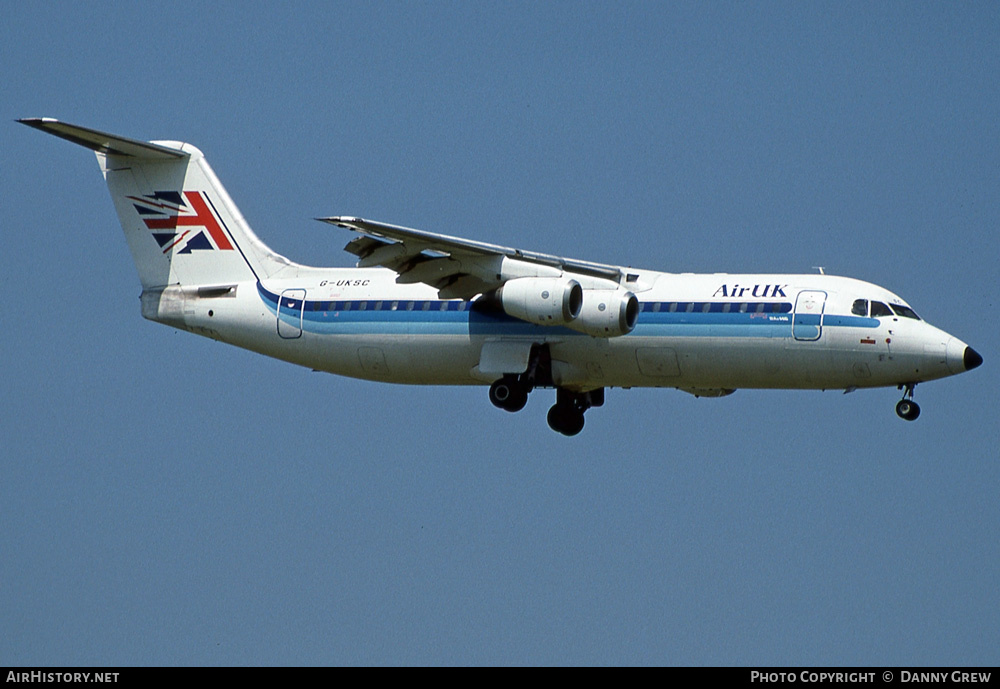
pixel 102 142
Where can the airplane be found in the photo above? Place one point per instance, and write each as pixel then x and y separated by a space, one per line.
pixel 431 309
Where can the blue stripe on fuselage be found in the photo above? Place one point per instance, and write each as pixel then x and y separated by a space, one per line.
pixel 455 317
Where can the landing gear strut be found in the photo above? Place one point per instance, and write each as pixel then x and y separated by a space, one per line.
pixel 906 408
pixel 566 415
pixel 510 393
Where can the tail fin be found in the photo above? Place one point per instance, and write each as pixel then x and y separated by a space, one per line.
pixel 180 224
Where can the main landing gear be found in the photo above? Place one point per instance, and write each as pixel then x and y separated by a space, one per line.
pixel 566 415
pixel 510 393
pixel 906 408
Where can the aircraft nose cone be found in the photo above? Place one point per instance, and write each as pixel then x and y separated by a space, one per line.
pixel 956 354
pixel 971 358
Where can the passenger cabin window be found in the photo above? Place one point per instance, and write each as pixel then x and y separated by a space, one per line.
pixel 904 311
pixel 860 307
pixel 879 309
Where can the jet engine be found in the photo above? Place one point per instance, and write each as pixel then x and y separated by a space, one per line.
pixel 607 313
pixel 542 301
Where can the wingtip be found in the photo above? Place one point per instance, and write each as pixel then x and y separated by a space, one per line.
pixel 36 121
pixel 339 219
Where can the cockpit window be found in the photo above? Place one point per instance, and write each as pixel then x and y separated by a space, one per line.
pixel 904 311
pixel 860 307
pixel 880 309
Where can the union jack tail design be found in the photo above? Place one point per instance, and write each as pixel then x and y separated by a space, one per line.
pixel 175 218
pixel 181 226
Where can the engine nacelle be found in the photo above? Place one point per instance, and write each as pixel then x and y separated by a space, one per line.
pixel 607 313
pixel 542 301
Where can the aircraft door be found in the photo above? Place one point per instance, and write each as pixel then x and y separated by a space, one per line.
pixel 807 322
pixel 290 307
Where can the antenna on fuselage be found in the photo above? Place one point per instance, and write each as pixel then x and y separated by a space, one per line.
pixel 821 270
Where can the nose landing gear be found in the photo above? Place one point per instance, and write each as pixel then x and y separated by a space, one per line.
pixel 906 408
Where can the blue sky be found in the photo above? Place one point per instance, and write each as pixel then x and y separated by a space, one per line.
pixel 171 500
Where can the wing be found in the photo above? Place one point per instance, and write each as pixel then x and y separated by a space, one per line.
pixel 457 268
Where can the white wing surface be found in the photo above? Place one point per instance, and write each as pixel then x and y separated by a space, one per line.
pixel 457 268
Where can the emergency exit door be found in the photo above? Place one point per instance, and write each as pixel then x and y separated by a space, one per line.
pixel 290 306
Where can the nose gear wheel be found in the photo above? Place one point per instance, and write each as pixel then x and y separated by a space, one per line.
pixel 906 408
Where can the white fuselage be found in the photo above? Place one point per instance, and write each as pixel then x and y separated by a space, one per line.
pixel 706 334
